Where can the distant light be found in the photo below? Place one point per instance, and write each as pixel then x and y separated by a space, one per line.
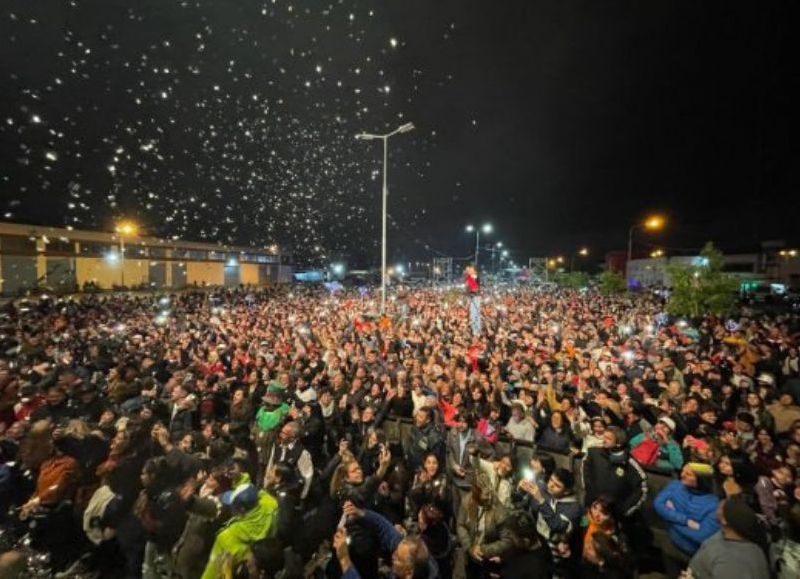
pixel 164 301
pixel 232 262
pixel 393 42
pixel 504 253
pixel 126 228
pixel 469 228
pixel 487 228
pixel 399 269
pixel 338 268
pixel 654 222
pixel 112 256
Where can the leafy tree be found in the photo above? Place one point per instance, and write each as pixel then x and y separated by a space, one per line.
pixel 574 280
pixel 611 282
pixel 701 287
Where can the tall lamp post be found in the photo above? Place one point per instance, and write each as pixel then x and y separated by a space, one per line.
pixel 487 229
pixel 122 229
pixel 368 137
pixel 653 223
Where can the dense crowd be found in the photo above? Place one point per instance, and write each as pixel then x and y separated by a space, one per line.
pixel 245 433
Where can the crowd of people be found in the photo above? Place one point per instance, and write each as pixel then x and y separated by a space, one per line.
pixel 244 433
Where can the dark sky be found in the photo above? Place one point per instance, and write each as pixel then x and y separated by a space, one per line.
pixel 561 122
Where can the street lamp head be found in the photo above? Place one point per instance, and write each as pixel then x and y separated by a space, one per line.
pixel 583 252
pixel 560 259
pixel 499 244
pixel 469 228
pixel 487 228
pixel 126 228
pixel 408 127
pixel 654 222
pixel 365 137
pixel 505 253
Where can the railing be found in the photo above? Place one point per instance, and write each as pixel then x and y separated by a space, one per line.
pixel 397 429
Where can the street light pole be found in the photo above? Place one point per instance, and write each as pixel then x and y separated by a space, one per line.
pixel 630 241
pixel 383 225
pixel 652 223
pixel 122 260
pixel 385 193
pixel 122 229
pixel 477 247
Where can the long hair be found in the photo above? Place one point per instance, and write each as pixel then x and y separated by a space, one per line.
pixel 339 477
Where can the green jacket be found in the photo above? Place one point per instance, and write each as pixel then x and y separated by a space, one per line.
pixel 236 538
pixel 269 419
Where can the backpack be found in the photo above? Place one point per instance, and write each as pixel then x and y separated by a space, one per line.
pixel 647 451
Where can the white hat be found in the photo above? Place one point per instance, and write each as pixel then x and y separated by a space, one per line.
pixel 668 422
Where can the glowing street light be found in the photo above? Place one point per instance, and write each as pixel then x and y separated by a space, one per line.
pixel 385 138
pixel 486 228
pixel 122 229
pixel 652 223
pixel 582 252
pixel 657 253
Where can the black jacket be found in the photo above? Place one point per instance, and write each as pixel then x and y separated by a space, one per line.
pixel 622 480
pixel 420 442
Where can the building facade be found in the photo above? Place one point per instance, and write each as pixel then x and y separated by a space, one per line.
pixel 767 266
pixel 66 260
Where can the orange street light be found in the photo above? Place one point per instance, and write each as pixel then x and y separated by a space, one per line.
pixel 122 229
pixel 652 223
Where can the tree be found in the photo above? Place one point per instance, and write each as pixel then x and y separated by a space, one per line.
pixel 611 282
pixel 701 287
pixel 574 280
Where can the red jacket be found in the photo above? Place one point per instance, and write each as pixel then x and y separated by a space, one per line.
pixel 472 283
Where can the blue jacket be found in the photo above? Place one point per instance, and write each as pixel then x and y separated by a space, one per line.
pixel 688 505
pixel 389 539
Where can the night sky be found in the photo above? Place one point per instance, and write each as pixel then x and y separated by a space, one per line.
pixel 560 122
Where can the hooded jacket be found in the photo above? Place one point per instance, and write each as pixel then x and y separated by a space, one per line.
pixel 241 532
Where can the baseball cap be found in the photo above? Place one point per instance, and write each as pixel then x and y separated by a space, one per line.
pixel 243 497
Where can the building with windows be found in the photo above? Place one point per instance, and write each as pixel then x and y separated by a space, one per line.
pixel 771 264
pixel 65 260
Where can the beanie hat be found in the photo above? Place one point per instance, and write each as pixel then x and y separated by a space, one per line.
pixel 742 519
